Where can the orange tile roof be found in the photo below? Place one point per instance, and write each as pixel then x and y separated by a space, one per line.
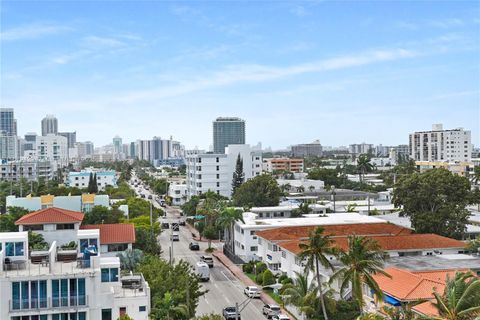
pixel 390 243
pixel 407 285
pixel 364 229
pixel 51 215
pixel 114 233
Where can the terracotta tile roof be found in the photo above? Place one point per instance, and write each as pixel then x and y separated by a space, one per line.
pixel 114 233
pixel 364 229
pixel 407 285
pixel 390 243
pixel 51 215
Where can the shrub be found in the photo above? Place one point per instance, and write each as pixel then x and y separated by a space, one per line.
pixel 268 278
pixel 248 267
pixel 259 279
pixel 261 267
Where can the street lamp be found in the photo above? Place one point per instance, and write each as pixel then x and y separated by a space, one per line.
pixel 333 198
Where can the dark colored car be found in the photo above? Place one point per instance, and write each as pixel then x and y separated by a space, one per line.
pixel 175 226
pixel 231 313
pixel 150 196
pixel 165 225
pixel 194 246
pixel 181 222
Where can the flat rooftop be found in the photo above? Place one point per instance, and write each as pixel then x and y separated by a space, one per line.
pixel 335 218
pixel 438 262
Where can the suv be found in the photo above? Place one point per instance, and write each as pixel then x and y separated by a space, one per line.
pixel 281 317
pixel 194 246
pixel 252 292
pixel 271 310
pixel 231 313
pixel 174 237
pixel 208 260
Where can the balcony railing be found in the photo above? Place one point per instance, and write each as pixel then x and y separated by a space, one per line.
pixel 20 305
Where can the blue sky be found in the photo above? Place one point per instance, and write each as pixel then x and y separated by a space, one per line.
pixel 339 71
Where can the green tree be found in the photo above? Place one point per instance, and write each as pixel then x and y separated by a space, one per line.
pixel 211 316
pixel 189 208
pixel 7 221
pixel 302 209
pixel 261 191
pixel 95 184
pixel 238 175
pixel 268 278
pixel 125 317
pixel 227 219
pixel 102 215
pixel 301 293
pixel 210 234
pixel 179 280
pixel 474 246
pixel 460 299
pixel 166 309
pixel 316 252
pixel 363 166
pixel 329 176
pixel 91 187
pixel 361 261
pixel 435 201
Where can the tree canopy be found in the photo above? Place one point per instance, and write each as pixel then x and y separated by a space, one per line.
pixel 261 191
pixel 435 201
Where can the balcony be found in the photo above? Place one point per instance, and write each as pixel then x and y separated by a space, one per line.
pixel 39 304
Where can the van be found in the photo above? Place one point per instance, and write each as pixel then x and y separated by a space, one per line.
pixel 208 260
pixel 203 271
pixel 175 237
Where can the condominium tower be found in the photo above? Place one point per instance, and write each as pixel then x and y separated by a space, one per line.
pixel 227 131
pixel 49 125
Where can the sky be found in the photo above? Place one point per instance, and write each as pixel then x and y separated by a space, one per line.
pixel 339 71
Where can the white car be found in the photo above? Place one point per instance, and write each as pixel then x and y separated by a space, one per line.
pixel 252 292
pixel 271 310
pixel 281 317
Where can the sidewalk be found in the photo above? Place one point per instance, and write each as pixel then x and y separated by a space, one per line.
pixel 196 235
pixel 238 273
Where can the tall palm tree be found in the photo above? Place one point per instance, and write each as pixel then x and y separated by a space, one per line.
pixel 460 299
pixel 301 293
pixel 316 252
pixel 361 261
pixel 227 219
pixel 363 166
pixel 166 309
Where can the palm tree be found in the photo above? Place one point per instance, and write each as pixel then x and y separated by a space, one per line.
pixel 363 259
pixel 129 259
pixel 301 293
pixel 301 189
pixel 227 219
pixel 316 252
pixel 460 299
pixel 363 166
pixel 404 312
pixel 166 309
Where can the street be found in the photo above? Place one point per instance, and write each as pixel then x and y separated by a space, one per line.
pixel 224 289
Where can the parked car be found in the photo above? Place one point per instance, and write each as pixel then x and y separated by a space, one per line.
pixel 281 317
pixel 231 313
pixel 150 196
pixel 165 225
pixel 181 222
pixel 142 195
pixel 271 310
pixel 175 237
pixel 208 260
pixel 252 292
pixel 194 246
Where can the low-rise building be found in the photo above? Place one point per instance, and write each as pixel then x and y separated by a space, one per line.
pixel 302 185
pixel 76 282
pixel 82 203
pixel 81 179
pixel 114 238
pixel 178 193
pixel 283 165
pixel 461 168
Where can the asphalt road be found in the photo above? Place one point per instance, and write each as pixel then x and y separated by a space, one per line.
pixel 224 289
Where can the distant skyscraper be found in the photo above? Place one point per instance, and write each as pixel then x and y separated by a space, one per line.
pixel 117 145
pixel 8 123
pixel 227 131
pixel 30 141
pixel 49 125
pixel 307 149
pixel 71 138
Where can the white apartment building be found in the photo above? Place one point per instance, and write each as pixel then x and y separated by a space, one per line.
pixel 441 145
pixel 9 147
pixel 52 148
pixel 73 284
pixel 307 185
pixel 30 170
pixel 178 192
pixel 361 148
pixel 81 179
pixel 82 203
pixel 245 239
pixel 214 172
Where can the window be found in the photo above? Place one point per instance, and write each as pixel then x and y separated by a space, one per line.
pixel 14 249
pixel 109 274
pixel 117 247
pixel 217 159
pixel 106 314
pixel 142 308
pixel 68 292
pixel 218 168
pixel 284 255
pixel 218 176
pixel 84 243
pixel 218 184
pixel 255 248
pixel 65 226
pixel 29 294
pixel 252 233
pixel 33 227
pixel 122 311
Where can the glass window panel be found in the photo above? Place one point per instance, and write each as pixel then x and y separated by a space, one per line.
pixel 25 291
pixel 82 316
pixel 43 294
pixel 64 292
pixel 105 275
pixel 19 248
pixel 10 249
pixel 55 293
pixel 34 294
pixel 73 292
pixel 81 292
pixel 15 295
pixel 113 275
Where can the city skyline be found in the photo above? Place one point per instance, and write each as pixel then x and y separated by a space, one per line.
pixel 285 68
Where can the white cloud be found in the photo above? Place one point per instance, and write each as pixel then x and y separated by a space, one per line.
pixel 32 31
pixel 102 42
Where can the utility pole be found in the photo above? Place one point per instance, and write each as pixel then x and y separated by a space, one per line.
pixel 151 218
pixel 237 313
pixel 368 199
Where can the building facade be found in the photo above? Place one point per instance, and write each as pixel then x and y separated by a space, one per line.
pixel 52 148
pixel 71 138
pixel 49 125
pixel 441 145
pixel 81 179
pixel 227 131
pixel 307 149
pixel 82 203
pixel 283 165
pixel 8 123
pixel 361 148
